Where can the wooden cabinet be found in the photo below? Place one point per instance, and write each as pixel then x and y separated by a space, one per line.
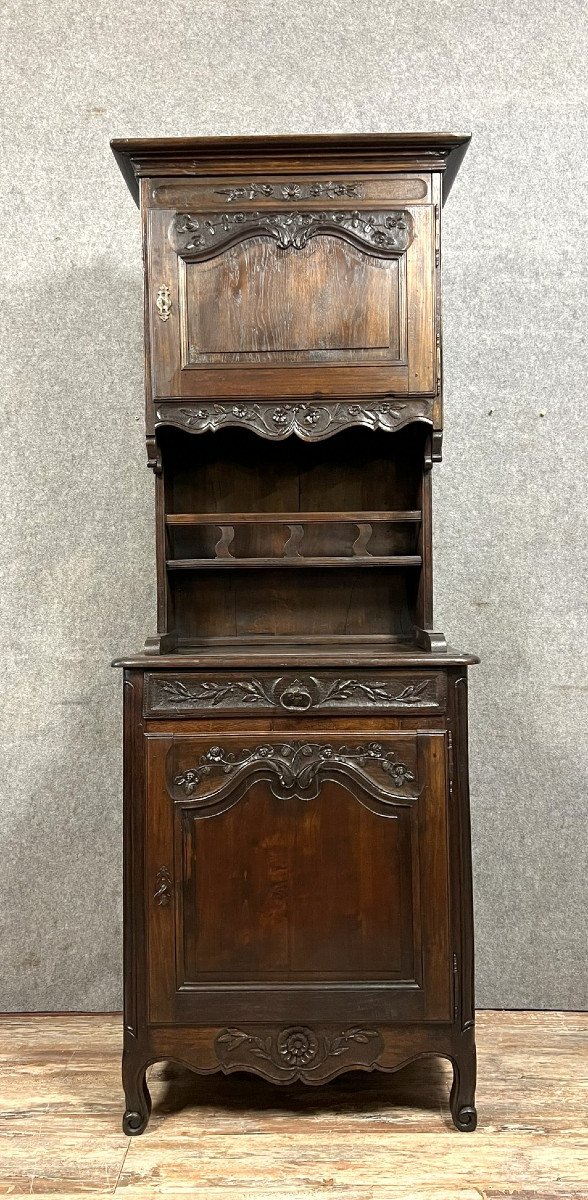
pixel 297 861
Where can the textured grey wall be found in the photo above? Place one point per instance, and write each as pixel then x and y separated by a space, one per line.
pixel 77 537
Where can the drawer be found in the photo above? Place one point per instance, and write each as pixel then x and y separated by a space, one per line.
pixel 195 693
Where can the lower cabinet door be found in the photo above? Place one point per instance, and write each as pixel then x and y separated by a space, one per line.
pixel 298 880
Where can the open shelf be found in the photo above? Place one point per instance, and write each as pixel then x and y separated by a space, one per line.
pixel 356 560
pixel 287 518
pixel 292 539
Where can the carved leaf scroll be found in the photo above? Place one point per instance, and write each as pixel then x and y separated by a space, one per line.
pixel 309 422
pixel 201 236
pixel 297 1052
pixel 296 769
pixel 292 693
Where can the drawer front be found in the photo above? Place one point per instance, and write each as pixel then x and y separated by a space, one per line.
pixel 193 694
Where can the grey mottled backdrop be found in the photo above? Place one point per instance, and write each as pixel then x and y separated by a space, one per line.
pixel 77 527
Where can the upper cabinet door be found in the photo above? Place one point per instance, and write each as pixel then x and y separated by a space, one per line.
pixel 291 289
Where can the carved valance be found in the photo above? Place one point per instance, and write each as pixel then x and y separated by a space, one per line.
pixel 198 236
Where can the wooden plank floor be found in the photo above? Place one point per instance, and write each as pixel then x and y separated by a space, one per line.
pixel 363 1137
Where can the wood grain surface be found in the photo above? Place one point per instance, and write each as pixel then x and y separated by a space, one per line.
pixel 362 1137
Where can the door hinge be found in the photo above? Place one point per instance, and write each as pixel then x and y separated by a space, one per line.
pixel 455 988
pixel 437 237
pixel 450 763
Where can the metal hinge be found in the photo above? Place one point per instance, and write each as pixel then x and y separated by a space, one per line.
pixel 437 237
pixel 450 763
pixel 455 988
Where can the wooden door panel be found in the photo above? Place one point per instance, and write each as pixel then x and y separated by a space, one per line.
pixel 346 311
pixel 256 303
pixel 310 890
pixel 288 877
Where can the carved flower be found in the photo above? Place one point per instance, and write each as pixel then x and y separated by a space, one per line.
pixel 312 416
pixel 265 751
pixel 215 754
pixel 281 416
pixel 375 749
pixel 200 414
pixel 290 191
pixel 188 781
pixel 239 411
pixel 400 773
pixel 297 1046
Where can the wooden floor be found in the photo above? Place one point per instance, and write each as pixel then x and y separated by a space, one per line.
pixel 362 1137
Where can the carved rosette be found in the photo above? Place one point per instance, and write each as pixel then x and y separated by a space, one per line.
pixel 310 422
pixel 204 235
pixel 291 693
pixel 298 1052
pixel 296 769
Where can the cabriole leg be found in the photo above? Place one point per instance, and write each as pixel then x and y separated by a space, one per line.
pixel 463 1090
pixel 137 1098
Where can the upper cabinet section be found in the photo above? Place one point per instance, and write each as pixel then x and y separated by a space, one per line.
pixel 292 267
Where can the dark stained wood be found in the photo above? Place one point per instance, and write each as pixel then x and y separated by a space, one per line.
pixel 297 843
pixel 306 154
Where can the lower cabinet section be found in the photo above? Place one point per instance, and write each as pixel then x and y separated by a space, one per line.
pixel 297 897
pixel 299 877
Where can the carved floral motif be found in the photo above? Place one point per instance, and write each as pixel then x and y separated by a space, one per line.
pixel 290 693
pixel 297 1051
pixel 289 191
pixel 201 236
pixel 294 769
pixel 310 422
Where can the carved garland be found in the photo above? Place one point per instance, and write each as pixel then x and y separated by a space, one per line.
pixel 383 234
pixel 296 1052
pixel 294 769
pixel 310 422
pixel 290 191
pixel 293 695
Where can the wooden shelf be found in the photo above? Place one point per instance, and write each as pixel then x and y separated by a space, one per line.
pixel 288 518
pixel 272 564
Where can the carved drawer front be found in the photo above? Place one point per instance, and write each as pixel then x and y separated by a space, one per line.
pixel 303 871
pixel 193 694
pixel 262 290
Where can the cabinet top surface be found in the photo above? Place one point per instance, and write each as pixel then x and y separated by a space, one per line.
pixel 284 657
pixel 151 157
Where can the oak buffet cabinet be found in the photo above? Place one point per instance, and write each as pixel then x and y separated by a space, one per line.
pixel 297 847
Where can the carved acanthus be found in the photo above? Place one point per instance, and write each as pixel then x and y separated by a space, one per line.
pixel 290 191
pixel 310 422
pixel 297 1052
pixel 296 769
pixel 204 235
